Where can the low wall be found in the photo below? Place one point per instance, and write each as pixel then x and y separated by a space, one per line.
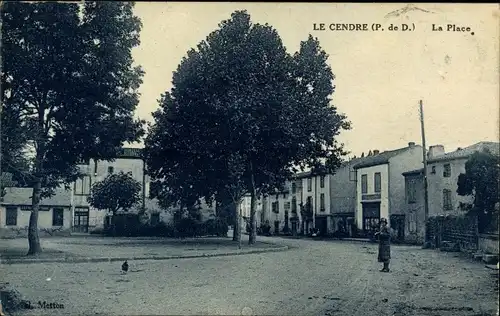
pixel 461 230
pixel 488 243
pixel 22 232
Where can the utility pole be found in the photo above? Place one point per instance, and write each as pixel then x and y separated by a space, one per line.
pixel 1 104
pixel 426 193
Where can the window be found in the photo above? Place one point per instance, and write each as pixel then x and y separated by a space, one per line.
pixel 294 188
pixel 411 191
pixel 378 182
pixel 275 207
pixel 364 184
pixel 57 217
pixel 322 202
pixel 155 218
pixel 309 184
pixel 111 169
pixel 433 169
pixel 309 204
pixel 447 170
pixel 146 189
pixel 287 206
pixel 447 205
pixel 294 205
pixel 11 216
pixel 322 182
pixel 82 186
pixel 412 221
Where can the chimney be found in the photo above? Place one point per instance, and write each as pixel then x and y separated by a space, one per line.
pixel 369 153
pixel 411 144
pixel 435 151
pixel 376 152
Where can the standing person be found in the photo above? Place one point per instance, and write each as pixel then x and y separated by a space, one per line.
pixel 384 248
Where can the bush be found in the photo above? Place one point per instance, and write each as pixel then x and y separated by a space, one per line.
pixel 187 227
pixel 265 229
pixel 217 227
pixel 128 225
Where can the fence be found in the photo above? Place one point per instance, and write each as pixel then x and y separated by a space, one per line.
pixel 462 231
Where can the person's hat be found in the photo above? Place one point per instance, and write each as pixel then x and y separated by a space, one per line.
pixel 383 220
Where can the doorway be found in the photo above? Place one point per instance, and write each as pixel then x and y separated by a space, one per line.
pixel 398 225
pixel 371 218
pixel 322 225
pixel 81 221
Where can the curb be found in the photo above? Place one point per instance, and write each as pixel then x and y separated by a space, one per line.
pixel 103 259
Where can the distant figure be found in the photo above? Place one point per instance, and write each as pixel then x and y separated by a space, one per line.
pixel 384 248
pixel 125 267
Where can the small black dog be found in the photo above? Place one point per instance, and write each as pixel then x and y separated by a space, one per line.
pixel 125 267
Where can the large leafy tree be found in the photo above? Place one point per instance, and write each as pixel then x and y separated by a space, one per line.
pixel 481 181
pixel 243 114
pixel 118 191
pixel 67 70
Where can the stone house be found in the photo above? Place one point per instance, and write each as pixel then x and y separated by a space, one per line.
pixel 443 171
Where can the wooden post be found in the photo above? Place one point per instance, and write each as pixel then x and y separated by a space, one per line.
pixel 426 193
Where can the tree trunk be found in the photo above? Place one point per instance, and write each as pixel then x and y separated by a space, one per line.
pixel 252 238
pixel 33 237
pixel 113 223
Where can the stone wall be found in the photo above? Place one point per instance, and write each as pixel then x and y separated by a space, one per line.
pixel 461 230
pixel 488 243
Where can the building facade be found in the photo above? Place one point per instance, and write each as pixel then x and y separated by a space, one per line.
pixel 381 188
pixel 71 208
pixel 55 213
pixel 343 198
pixel 129 160
pixel 414 208
pixel 443 171
pixel 245 210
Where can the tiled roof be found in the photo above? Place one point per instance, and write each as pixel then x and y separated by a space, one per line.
pixel 494 148
pixel 344 164
pixel 22 196
pixel 381 158
pixel 127 152
pixel 413 172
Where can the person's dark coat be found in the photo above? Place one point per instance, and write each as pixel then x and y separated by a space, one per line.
pixel 384 246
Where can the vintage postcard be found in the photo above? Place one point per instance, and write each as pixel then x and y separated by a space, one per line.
pixel 239 158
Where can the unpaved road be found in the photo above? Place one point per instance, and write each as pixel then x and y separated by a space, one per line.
pixel 315 278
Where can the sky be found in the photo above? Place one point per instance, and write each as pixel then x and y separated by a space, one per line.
pixel 380 76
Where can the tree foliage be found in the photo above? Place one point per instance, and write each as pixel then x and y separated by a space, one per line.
pixel 481 180
pixel 69 82
pixel 118 191
pixel 243 114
